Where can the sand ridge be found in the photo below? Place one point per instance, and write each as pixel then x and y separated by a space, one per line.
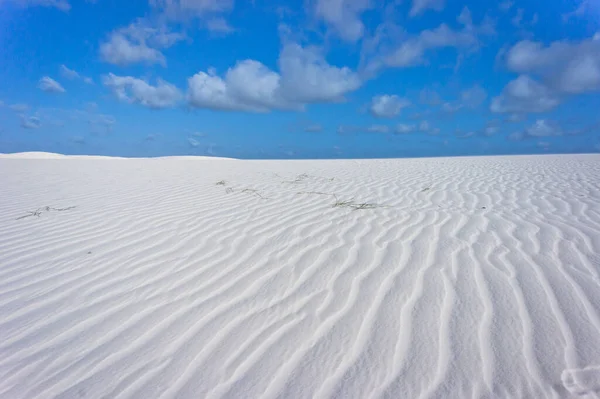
pixel 410 278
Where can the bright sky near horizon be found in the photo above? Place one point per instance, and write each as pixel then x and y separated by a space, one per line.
pixel 299 79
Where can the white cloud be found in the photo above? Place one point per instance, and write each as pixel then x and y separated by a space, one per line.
pixel 419 6
pixel 31 122
pixel 193 142
pixel 473 97
pixel 248 86
pixel 402 128
pixel 424 126
pixel 305 77
pixel 138 43
pixel 343 16
pixel 68 73
pixel 62 5
pixel 308 78
pixel 584 7
pixel 524 95
pixel 387 106
pixel 50 85
pixel 133 90
pixel 568 67
pixel 543 128
pixel 73 75
pixel 412 51
pixel 219 25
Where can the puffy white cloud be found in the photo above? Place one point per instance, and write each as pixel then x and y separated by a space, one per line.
pixel 524 95
pixel 543 128
pixel 248 86
pixel 540 128
pixel 62 5
pixel 419 6
pixel 473 97
pixel 568 67
pixel 308 78
pixel 50 85
pixel 133 90
pixel 343 16
pixel 31 122
pixel 138 43
pixel 387 106
pixel 304 77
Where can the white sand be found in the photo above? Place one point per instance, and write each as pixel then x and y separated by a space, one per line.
pixel 478 277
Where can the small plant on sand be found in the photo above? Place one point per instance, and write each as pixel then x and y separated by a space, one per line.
pixel 298 179
pixel 38 212
pixel 255 192
pixel 355 206
pixel 220 183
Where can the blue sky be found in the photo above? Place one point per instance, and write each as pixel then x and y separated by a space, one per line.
pixel 299 79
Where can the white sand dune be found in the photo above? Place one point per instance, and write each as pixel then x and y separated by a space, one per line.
pixel 432 278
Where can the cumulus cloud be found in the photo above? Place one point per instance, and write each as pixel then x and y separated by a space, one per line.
pixel 343 16
pixel 50 85
pixel 524 95
pixel 540 128
pixel 387 106
pixel 543 128
pixel 138 43
pixel 133 90
pixel 569 67
pixel 419 6
pixel 62 5
pixel 304 77
pixel 31 122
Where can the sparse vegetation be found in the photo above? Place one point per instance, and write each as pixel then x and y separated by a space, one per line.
pixel 220 183
pixel 38 212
